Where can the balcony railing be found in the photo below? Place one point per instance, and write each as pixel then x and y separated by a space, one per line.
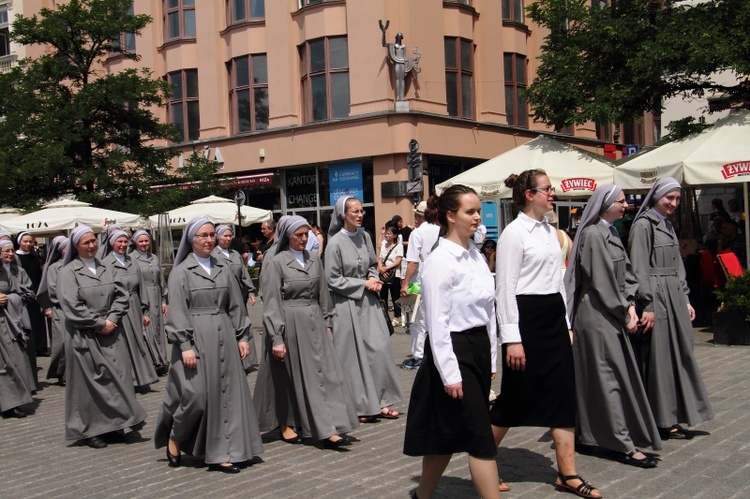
pixel 7 62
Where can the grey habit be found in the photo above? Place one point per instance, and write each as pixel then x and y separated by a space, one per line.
pixel 309 390
pixel 612 407
pixel 208 409
pixel 156 290
pixel 360 333
pixel 99 397
pixel 129 276
pixel 674 384
pixel 47 297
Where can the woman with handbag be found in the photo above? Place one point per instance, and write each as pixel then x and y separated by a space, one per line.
pixel 389 268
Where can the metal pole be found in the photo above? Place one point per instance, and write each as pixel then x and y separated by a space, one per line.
pixel 747 222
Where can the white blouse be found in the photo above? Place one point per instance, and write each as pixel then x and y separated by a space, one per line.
pixel 528 262
pixel 458 294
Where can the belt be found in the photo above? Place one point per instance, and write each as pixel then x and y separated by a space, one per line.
pixel 663 271
pixel 205 310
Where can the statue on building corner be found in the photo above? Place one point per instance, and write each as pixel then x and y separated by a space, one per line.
pixel 402 65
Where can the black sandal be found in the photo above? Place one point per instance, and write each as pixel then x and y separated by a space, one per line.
pixel 645 462
pixel 584 489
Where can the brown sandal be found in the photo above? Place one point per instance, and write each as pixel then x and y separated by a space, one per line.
pixel 584 489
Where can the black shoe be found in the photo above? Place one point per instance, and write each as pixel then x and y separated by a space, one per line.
pixel 232 468
pixel 174 461
pixel 162 370
pixel 60 381
pixel 96 442
pixel 294 440
pixel 331 445
pixel 14 413
pixel 645 462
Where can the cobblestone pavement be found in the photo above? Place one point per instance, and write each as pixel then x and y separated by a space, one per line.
pixel 36 461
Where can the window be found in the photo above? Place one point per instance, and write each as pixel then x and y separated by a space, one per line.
pixel 4 33
pixel 515 82
pixel 325 78
pixel 126 41
pixel 249 92
pixel 513 11
pixel 243 10
pixel 183 104
pixel 632 133
pixel 604 131
pixel 459 77
pixel 303 3
pixel 179 18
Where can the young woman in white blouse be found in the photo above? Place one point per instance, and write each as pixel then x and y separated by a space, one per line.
pixel 448 410
pixel 538 381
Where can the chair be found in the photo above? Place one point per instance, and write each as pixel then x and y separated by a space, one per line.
pixel 730 264
pixel 708 269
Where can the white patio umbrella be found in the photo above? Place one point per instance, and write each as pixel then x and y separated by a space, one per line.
pixel 573 172
pixel 6 213
pixel 67 214
pixel 216 209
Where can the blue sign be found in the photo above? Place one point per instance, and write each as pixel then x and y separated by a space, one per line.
pixel 345 180
pixel 631 149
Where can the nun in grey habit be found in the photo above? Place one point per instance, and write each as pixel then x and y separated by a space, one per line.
pixel 153 281
pixel 310 392
pixel 612 407
pixel 360 333
pixel 47 298
pixel 99 396
pixel 16 378
pixel 673 382
pixel 233 259
pixel 207 411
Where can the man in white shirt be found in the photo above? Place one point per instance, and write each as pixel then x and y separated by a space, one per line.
pixel 480 235
pixel 421 243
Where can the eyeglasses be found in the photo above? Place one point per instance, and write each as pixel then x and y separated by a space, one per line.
pixel 211 235
pixel 548 189
pixel 357 212
pixel 621 202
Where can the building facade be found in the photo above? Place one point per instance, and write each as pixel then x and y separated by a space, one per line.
pixel 298 98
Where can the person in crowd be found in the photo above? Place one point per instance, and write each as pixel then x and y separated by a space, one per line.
pixel 562 237
pixel 111 228
pixel 136 320
pixel 28 259
pixel 423 240
pixel 613 409
pixel 734 211
pixel 538 380
pixel 489 252
pixel 718 210
pixel 17 382
pixel 47 297
pixel 319 236
pixel 673 382
pixel 268 229
pixel 207 411
pixel 233 260
pixel 403 230
pixel 711 238
pixel 732 240
pixel 156 291
pixel 449 406
pixel 480 235
pixel 361 334
pixel 310 397
pixel 389 268
pixel 99 396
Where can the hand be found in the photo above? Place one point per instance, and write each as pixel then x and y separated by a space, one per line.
pixel 381 269
pixel 404 288
pixel 456 391
pixel 48 313
pixel 258 256
pixel 632 326
pixel 330 333
pixel 570 335
pixel 691 311
pixel 3 300
pixel 372 284
pixel 647 321
pixel 146 321
pixel 492 377
pixel 515 356
pixel 164 308
pixel 109 326
pixel 189 359
pixel 244 349
pixel 279 352
pixel 251 299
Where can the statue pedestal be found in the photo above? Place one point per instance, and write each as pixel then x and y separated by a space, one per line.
pixel 401 106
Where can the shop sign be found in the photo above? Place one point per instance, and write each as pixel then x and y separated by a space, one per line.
pixel 345 180
pixel 301 188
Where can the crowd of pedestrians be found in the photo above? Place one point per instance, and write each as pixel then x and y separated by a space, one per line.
pixel 608 366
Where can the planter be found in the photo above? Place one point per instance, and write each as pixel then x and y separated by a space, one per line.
pixel 731 328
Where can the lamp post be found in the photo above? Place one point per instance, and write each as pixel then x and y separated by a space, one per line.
pixel 239 198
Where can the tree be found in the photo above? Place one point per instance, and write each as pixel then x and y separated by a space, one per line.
pixel 613 63
pixel 70 127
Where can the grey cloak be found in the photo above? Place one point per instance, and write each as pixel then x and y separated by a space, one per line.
pixel 208 409
pixel 673 384
pixel 132 323
pixel 17 310
pixel 16 378
pixel 57 328
pixel 238 269
pixel 99 396
pixel 308 390
pixel 156 290
pixel 360 332
pixel 612 407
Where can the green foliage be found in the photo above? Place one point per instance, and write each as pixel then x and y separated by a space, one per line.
pixel 615 63
pixel 72 128
pixel 686 126
pixel 736 295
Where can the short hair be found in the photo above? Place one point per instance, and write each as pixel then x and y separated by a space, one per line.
pixel 270 223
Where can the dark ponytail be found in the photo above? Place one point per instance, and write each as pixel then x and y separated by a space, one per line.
pixel 521 183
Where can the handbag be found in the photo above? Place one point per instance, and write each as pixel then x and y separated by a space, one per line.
pixel 384 308
pixel 388 275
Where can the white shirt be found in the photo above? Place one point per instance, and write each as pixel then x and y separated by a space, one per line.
pixel 313 245
pixel 204 262
pixel 90 264
pixel 299 256
pixel 458 294
pixel 421 241
pixel 528 263
pixel 480 234
pixel 120 258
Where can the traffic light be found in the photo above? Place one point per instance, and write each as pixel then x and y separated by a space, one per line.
pixel 414 161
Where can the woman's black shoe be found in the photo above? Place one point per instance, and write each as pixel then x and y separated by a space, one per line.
pixel 644 462
pixel 174 461
pixel 330 444
pixel 231 468
pixel 96 442
pixel 14 413
pixel 294 440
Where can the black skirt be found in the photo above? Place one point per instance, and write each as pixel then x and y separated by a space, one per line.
pixel 544 393
pixel 438 424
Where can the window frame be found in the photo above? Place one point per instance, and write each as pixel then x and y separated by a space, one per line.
pixel 307 75
pixel 180 9
pixel 514 12
pixel 5 32
pixel 248 6
pixel 122 41
pixel 252 87
pixel 515 86
pixel 461 73
pixel 184 101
